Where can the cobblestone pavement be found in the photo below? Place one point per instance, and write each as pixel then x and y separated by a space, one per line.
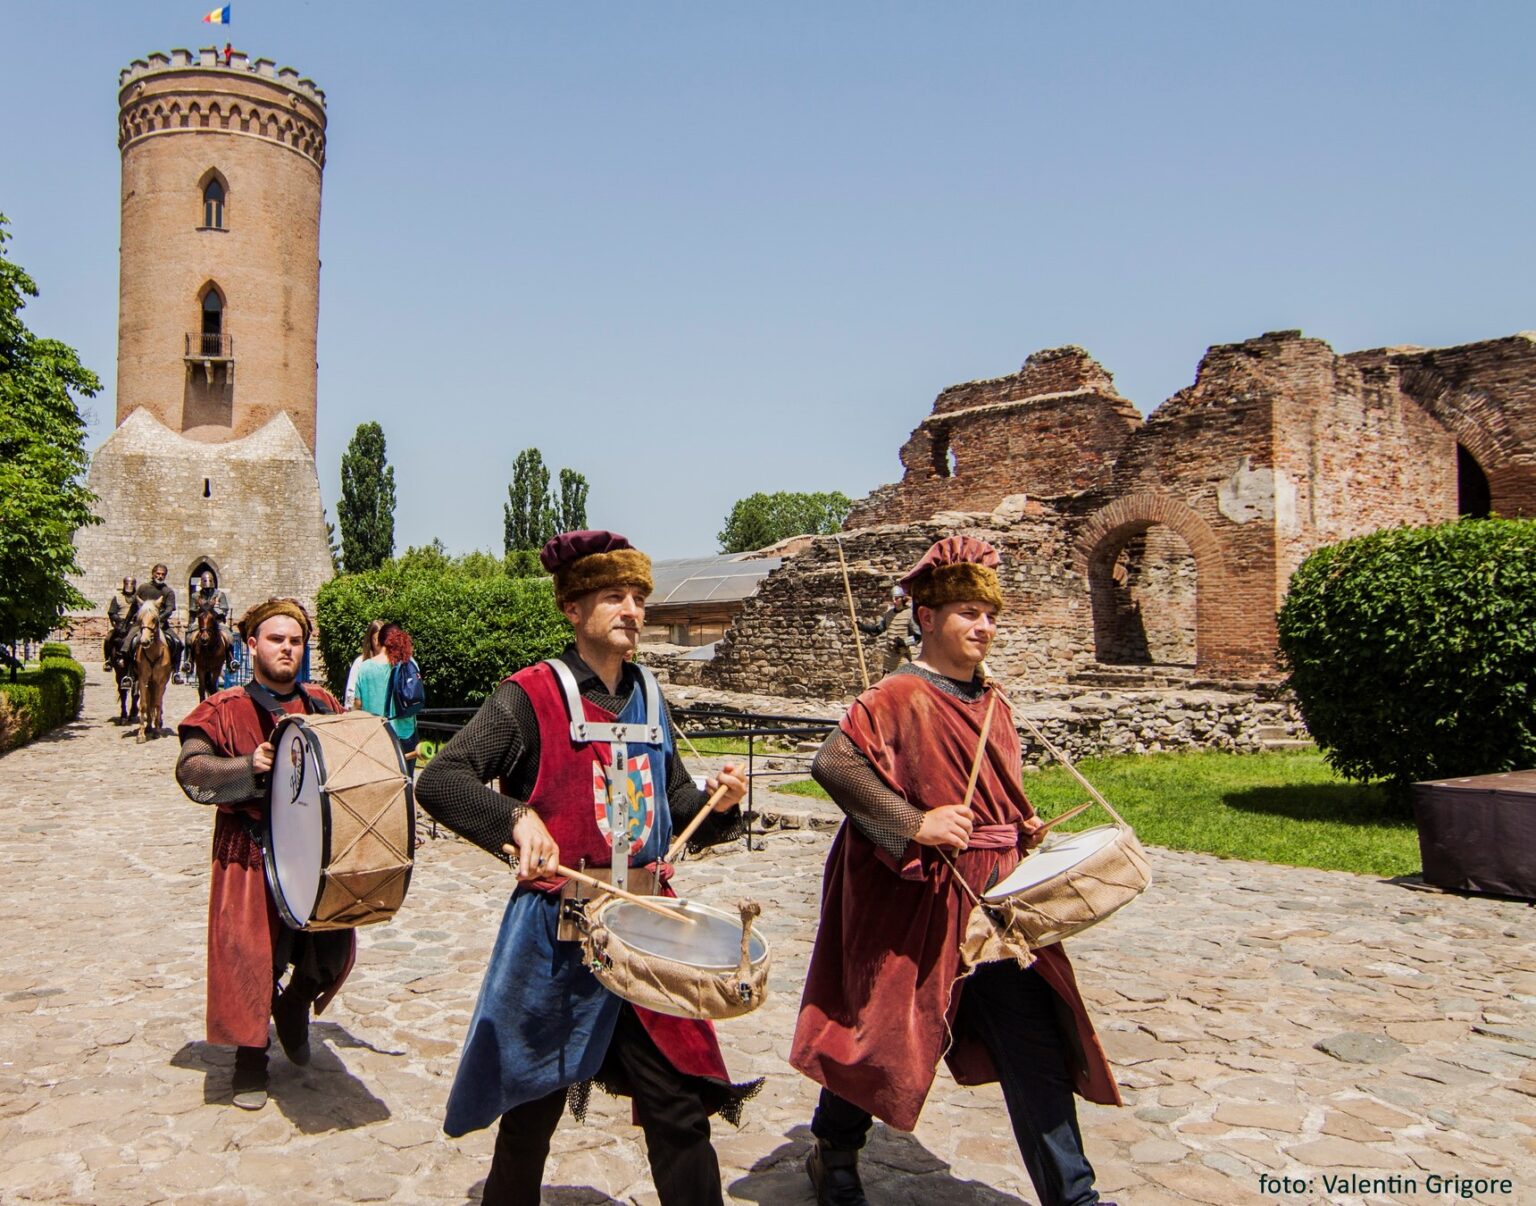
pixel 1213 994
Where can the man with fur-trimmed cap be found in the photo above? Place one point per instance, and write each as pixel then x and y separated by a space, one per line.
pixel 887 993
pixel 544 1030
pixel 226 761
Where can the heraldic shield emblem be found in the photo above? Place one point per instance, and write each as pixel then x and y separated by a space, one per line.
pixel 641 790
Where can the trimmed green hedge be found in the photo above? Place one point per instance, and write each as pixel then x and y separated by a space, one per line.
pixel 1412 651
pixel 54 649
pixel 470 631
pixel 41 699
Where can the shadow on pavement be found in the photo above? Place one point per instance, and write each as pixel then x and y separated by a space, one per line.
pixel 895 1169
pixel 325 1096
pixel 552 1195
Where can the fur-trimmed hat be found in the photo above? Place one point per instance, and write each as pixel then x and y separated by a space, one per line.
pixel 956 569
pixel 591 560
pixel 259 613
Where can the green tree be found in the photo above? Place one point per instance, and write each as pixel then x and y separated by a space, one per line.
pixel 367 509
pixel 528 519
pixel 1412 651
pixel 571 511
pixel 334 543
pixel 762 519
pixel 42 458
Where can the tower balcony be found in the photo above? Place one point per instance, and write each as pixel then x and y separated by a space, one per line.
pixel 211 353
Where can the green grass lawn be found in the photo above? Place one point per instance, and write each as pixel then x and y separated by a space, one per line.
pixel 1287 808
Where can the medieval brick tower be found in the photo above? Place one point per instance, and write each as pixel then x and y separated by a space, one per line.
pixel 212 462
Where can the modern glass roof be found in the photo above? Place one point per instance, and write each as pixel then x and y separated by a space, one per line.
pixel 721 579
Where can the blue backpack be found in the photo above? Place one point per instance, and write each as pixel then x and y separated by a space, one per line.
pixel 407 694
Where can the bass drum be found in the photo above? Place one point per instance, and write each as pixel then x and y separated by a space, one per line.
pixel 340 835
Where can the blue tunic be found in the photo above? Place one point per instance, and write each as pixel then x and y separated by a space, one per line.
pixel 543 1022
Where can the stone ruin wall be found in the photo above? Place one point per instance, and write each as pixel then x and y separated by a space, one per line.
pixel 1053 428
pixel 1165 541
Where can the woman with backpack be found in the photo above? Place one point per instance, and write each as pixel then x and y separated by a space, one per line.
pixel 389 685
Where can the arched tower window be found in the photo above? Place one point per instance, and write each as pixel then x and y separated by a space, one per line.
pixel 1473 497
pixel 213 323
pixel 213 204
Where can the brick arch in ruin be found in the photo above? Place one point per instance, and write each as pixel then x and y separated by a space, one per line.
pixel 1101 540
pixel 1480 425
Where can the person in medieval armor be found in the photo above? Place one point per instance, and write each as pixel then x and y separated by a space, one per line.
pixel 544 1029
pixel 887 993
pixel 898 626
pixel 120 613
pixel 226 761
pixel 208 597
pixel 164 594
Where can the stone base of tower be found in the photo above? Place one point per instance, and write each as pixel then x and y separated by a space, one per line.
pixel 250 509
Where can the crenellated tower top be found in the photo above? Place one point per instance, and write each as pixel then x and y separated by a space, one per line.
pixel 196 90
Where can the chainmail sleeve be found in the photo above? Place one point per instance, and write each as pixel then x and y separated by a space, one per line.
pixel 881 814
pixel 501 742
pixel 209 777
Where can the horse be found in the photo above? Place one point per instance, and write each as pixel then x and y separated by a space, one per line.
pixel 209 648
pixel 125 674
pixel 153 665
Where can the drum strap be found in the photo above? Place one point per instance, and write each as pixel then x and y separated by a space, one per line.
pixel 617 737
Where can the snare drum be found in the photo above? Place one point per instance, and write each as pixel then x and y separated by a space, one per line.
pixel 1073 881
pixel 340 828
pixel 707 964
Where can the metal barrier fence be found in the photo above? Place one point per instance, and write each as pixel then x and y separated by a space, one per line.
pixel 756 729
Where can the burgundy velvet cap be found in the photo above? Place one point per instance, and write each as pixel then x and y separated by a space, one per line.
pixel 560 551
pixel 953 550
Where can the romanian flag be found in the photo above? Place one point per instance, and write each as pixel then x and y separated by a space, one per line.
pixel 219 16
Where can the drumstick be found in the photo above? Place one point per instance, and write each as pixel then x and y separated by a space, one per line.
pixel 638 901
pixel 853 616
pixel 1066 816
pixel 981 750
pixel 693 825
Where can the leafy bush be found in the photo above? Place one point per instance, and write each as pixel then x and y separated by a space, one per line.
pixel 1412 651
pixel 40 700
pixel 470 631
pixel 55 649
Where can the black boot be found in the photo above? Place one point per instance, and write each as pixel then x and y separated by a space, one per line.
pixel 291 1013
pixel 834 1176
pixel 249 1084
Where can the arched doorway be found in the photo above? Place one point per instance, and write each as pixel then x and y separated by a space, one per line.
pixel 1152 568
pixel 1474 498
pixel 1144 586
pixel 195 578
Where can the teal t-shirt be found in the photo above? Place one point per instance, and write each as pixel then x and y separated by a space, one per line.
pixel 373 695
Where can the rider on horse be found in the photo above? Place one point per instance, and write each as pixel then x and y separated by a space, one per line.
pixel 209 598
pixel 119 614
pixel 165 595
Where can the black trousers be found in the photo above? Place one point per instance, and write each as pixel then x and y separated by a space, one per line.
pixel 1015 1014
pixel 317 959
pixel 672 1115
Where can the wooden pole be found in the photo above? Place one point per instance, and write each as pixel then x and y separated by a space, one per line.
pixel 853 616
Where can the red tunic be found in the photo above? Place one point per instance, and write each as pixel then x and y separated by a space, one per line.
pixel 243 923
pixel 885 976
pixel 564 799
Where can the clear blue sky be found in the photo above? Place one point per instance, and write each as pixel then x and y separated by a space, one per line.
pixel 697 250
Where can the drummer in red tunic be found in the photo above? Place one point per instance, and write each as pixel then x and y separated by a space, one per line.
pixel 887 988
pixel 544 1029
pixel 226 758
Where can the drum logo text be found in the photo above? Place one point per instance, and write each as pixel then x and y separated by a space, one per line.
pixel 296 776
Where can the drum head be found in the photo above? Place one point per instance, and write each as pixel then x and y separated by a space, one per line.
pixel 296 824
pixel 1059 854
pixel 711 940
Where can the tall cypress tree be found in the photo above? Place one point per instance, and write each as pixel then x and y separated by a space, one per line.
pixel 366 513
pixel 572 508
pixel 528 519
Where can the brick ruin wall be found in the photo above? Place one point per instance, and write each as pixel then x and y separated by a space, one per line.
pixel 1168 541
